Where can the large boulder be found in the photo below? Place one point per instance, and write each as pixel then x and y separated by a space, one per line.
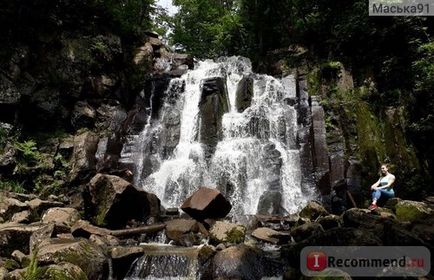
pixel 63 218
pixel 271 236
pixel 238 262
pixel 83 155
pixel 113 202
pixel 213 104
pixel 244 94
pixel 305 231
pixel 80 252
pixel 407 210
pixel 15 236
pixel 64 270
pixel 206 203
pixel 185 232
pixel 222 232
pixel 313 210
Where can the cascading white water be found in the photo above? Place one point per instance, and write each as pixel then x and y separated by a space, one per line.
pixel 256 157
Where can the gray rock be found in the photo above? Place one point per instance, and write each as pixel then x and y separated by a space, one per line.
pixel 222 232
pixel 185 232
pixel 305 231
pixel 244 94
pixel 410 211
pixel 64 270
pixel 83 157
pixel 80 252
pixel 213 104
pixel 15 236
pixel 114 202
pixel 238 262
pixel 206 203
pixel 22 217
pixel 271 236
pixel 63 218
pixel 313 210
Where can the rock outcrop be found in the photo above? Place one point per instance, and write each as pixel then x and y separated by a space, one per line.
pixel 206 203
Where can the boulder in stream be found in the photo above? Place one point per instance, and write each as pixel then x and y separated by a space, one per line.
pixel 206 203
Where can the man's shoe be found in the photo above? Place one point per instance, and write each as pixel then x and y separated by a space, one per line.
pixel 372 207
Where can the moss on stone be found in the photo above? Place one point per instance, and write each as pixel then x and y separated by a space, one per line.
pixel 236 235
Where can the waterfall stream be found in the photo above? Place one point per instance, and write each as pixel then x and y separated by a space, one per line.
pixel 221 125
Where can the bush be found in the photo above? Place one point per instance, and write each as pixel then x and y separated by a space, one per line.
pixel 28 152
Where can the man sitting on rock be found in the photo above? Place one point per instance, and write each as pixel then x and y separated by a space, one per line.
pixel 383 187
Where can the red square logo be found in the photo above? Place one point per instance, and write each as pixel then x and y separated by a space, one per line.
pixel 316 261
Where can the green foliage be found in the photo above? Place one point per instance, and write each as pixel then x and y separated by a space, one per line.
pixel 207 28
pixel 33 271
pixel 28 151
pixel 131 17
pixel 12 186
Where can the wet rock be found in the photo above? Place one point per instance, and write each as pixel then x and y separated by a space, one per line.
pixel 361 218
pixel 206 203
pixel 238 262
pixel 329 221
pixel 80 252
pixel 313 210
pixel 227 232
pixel 114 202
pixel 83 157
pixel 64 270
pixel 271 236
pixel 320 152
pixel 22 217
pixel 270 203
pixel 15 236
pixel 407 210
pixel 185 232
pixel 171 131
pixel 305 231
pixel 63 218
pixel 123 258
pixel 213 104
pixel 244 94
pixel 83 115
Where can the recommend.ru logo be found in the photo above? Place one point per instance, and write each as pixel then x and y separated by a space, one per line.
pixel 362 261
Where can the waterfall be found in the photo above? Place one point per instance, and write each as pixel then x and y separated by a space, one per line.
pixel 221 125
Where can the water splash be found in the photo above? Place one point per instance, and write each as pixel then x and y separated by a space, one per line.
pixel 256 161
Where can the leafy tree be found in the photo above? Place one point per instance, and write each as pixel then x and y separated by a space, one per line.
pixel 207 28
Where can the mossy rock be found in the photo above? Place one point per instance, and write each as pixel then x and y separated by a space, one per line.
pixel 407 210
pixel 64 271
pixel 80 252
pixel 227 232
pixel 313 210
